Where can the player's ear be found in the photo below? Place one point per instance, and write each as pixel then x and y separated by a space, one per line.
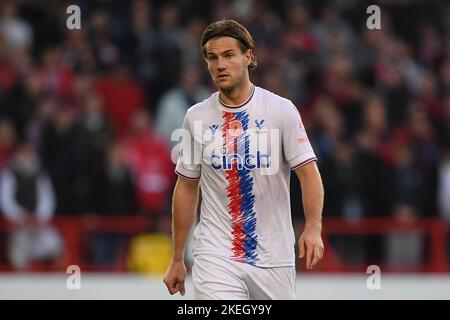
pixel 248 55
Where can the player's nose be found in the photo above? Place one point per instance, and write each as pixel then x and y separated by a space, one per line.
pixel 221 64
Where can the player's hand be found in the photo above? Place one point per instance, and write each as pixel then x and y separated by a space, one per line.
pixel 311 245
pixel 175 276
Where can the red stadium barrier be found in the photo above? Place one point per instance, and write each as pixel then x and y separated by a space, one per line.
pixel 435 231
pixel 77 230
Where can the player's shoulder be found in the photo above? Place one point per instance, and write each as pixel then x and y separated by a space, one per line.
pixel 281 104
pixel 199 108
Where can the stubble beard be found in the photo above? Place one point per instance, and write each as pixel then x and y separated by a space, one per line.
pixel 228 89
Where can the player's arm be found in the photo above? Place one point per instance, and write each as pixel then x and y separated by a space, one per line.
pixel 310 242
pixel 184 208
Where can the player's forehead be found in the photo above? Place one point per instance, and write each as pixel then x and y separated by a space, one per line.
pixel 220 45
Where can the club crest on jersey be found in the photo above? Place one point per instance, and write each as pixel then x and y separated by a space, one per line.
pixel 259 125
pixel 213 128
pixel 235 128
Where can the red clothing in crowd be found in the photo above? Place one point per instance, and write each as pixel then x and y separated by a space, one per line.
pixel 8 77
pixel 121 96
pixel 58 81
pixel 149 159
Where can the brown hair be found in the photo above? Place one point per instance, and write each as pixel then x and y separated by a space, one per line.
pixel 230 28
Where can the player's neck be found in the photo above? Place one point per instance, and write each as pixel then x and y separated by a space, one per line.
pixel 238 95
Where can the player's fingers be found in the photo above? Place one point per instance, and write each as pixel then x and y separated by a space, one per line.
pixel 181 288
pixel 302 248
pixel 309 255
pixel 172 287
pixel 316 256
pixel 322 249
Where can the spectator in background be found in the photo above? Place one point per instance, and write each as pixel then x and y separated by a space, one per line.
pixel 78 53
pixel 9 76
pixel 298 38
pixel 148 156
pixel 146 64
pixel 337 78
pixel 373 191
pixel 273 80
pixel 429 95
pixel 97 134
pixel 412 175
pixel 405 177
pixel 173 105
pixel 329 128
pixel 265 25
pixel 121 95
pixel 404 248
pixel 113 195
pixel 189 43
pixel 370 163
pixel 328 133
pixel 7 142
pixel 17 32
pixel 332 34
pixel 18 96
pixel 114 185
pixel 422 138
pixel 101 29
pixel 63 154
pixel 41 118
pixel 344 184
pixel 430 48
pixel 56 78
pixel 168 52
pixel 28 202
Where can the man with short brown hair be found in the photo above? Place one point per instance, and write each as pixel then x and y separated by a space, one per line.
pixel 245 140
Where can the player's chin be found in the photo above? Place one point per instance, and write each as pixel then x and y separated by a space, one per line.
pixel 224 84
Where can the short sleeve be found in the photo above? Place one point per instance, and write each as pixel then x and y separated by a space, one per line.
pixel 189 159
pixel 296 146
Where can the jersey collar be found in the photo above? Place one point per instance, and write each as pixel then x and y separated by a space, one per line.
pixel 238 108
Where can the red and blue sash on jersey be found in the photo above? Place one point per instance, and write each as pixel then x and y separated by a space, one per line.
pixel 240 189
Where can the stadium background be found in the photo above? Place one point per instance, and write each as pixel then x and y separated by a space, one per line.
pixel 92 110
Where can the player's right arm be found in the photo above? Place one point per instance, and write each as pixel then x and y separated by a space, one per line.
pixel 184 208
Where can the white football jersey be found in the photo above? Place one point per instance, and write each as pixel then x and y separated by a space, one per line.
pixel 243 156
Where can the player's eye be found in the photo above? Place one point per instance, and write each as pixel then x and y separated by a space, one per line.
pixel 211 58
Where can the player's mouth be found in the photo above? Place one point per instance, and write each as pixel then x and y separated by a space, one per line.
pixel 223 76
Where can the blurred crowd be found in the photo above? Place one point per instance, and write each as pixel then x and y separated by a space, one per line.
pixel 86 115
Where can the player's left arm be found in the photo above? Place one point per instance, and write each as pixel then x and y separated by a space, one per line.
pixel 310 241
